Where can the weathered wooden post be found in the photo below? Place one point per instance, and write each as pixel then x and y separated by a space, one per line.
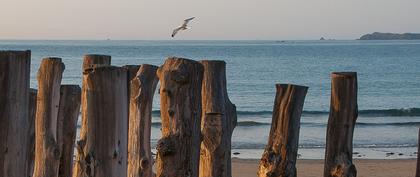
pixel 95 60
pixel 14 106
pixel 280 155
pixel 31 131
pixel 47 151
pixel 218 121
pixel 102 149
pixel 418 157
pixel 131 73
pixel 341 122
pixel 180 94
pixel 143 86
pixel 68 113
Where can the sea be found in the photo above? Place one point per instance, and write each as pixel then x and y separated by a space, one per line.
pixel 388 85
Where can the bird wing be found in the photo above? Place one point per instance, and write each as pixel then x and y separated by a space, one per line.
pixel 186 21
pixel 175 31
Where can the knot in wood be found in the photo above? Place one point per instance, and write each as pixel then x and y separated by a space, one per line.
pixel 166 146
pixel 144 162
pixel 179 76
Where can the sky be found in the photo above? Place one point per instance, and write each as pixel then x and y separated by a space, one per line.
pixel 215 19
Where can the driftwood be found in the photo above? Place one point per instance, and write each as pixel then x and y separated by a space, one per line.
pixel 95 60
pixel 178 151
pixel 341 122
pixel 218 121
pixel 280 155
pixel 143 86
pixel 31 131
pixel 418 157
pixel 47 151
pixel 68 113
pixel 102 149
pixel 14 106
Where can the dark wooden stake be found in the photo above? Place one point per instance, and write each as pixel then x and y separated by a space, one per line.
pixel 47 151
pixel 180 94
pixel 280 155
pixel 68 113
pixel 341 122
pixel 143 86
pixel 31 131
pixel 102 149
pixel 218 121
pixel 14 106
pixel 95 60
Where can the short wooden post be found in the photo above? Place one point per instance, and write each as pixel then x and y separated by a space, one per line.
pixel 218 121
pixel 47 151
pixel 180 94
pixel 14 106
pixel 418 157
pixel 31 131
pixel 68 113
pixel 143 86
pixel 341 122
pixel 280 155
pixel 102 149
pixel 95 60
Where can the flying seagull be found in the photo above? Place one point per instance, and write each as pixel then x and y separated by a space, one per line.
pixel 183 26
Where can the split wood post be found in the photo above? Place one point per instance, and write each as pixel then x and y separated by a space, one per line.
pixel 280 155
pixel 95 60
pixel 31 131
pixel 131 73
pixel 143 86
pixel 178 151
pixel 47 151
pixel 341 122
pixel 68 113
pixel 418 157
pixel 218 121
pixel 14 106
pixel 102 148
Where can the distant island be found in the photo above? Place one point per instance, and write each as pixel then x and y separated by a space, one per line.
pixel 391 36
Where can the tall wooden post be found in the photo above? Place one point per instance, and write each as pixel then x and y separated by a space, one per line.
pixel 341 122
pixel 131 73
pixel 47 151
pixel 95 60
pixel 280 155
pixel 143 86
pixel 14 106
pixel 218 121
pixel 31 131
pixel 418 156
pixel 180 92
pixel 68 113
pixel 102 149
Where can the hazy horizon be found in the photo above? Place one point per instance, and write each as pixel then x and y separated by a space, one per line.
pixel 215 20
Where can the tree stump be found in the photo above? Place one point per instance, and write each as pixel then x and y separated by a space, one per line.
pixel 95 60
pixel 218 121
pixel 280 155
pixel 102 149
pixel 47 151
pixel 143 86
pixel 31 131
pixel 14 106
pixel 180 94
pixel 341 122
pixel 68 113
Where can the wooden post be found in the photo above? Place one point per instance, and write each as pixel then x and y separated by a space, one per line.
pixel 31 131
pixel 218 121
pixel 95 60
pixel 341 122
pixel 68 113
pixel 143 86
pixel 180 94
pixel 131 73
pixel 102 149
pixel 47 151
pixel 14 106
pixel 280 155
pixel 418 157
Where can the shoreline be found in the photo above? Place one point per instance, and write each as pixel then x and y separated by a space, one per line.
pixel 315 168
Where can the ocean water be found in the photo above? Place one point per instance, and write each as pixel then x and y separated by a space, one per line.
pixel 388 80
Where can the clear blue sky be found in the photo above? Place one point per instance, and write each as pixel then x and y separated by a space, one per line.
pixel 215 19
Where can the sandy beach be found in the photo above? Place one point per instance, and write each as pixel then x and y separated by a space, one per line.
pixel 314 168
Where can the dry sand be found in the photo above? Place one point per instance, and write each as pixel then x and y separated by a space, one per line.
pixel 314 168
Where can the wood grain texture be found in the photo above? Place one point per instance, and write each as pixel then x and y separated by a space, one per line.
pixel 218 121
pixel 68 114
pixel 280 155
pixel 341 122
pixel 143 86
pixel 180 97
pixel 102 148
pixel 92 60
pixel 14 106
pixel 31 131
pixel 47 150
